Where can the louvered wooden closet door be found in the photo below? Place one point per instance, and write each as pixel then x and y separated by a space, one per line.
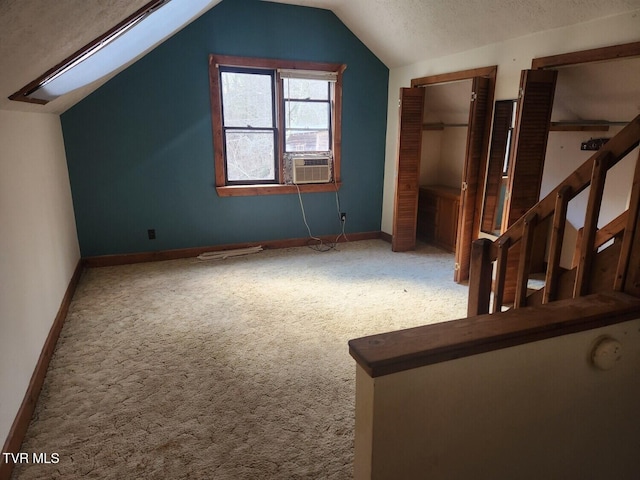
pixel 470 205
pixel 533 119
pixel 498 150
pixel 405 211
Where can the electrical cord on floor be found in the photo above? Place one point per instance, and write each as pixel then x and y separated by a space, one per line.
pixel 342 221
pixel 320 245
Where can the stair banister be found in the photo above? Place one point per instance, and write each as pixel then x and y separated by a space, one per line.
pixel 592 171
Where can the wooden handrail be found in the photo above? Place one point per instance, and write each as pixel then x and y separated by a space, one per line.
pixel 592 172
pixel 400 350
pixel 629 260
pixel 610 231
pixel 618 147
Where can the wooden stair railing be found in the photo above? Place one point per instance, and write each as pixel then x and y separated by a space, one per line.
pixel 514 246
pixel 603 268
pixel 610 231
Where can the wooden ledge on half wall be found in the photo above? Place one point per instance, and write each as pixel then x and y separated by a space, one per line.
pixel 393 352
pixel 161 255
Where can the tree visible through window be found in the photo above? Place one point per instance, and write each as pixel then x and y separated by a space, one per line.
pixel 264 111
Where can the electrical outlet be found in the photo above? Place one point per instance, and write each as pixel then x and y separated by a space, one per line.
pixel 343 217
pixel 151 233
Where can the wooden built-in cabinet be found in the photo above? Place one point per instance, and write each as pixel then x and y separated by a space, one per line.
pixel 438 207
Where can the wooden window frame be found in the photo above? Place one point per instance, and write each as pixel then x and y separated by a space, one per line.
pixel 225 190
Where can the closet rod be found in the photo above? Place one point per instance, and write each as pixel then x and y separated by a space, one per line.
pixel 442 126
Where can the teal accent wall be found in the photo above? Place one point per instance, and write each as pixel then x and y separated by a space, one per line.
pixel 140 148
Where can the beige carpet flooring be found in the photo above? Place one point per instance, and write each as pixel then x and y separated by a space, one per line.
pixel 226 369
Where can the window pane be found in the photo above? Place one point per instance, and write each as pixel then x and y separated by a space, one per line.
pixel 300 114
pixel 306 89
pixel 307 141
pixel 307 115
pixel 250 155
pixel 247 99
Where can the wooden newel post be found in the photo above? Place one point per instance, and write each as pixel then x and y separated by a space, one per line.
pixel 480 277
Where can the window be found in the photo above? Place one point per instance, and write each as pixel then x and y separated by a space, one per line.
pixel 249 125
pixel 267 112
pixel 307 115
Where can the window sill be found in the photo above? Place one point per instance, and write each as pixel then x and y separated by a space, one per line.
pixel 253 190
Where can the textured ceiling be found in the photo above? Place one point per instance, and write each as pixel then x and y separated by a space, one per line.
pixel 37 34
pixel 401 32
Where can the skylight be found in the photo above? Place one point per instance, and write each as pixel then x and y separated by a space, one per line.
pixel 109 52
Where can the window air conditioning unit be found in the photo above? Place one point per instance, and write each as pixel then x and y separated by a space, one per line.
pixel 311 170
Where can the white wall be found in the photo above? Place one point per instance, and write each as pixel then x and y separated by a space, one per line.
pixel 442 158
pixel 38 247
pixel 430 156
pixel 536 411
pixel 511 57
pixel 454 149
